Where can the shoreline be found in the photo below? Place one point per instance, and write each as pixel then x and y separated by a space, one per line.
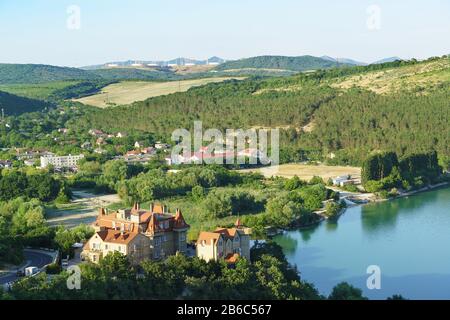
pixel 413 192
pixel 402 195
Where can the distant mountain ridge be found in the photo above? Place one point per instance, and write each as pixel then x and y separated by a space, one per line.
pixel 300 63
pixel 345 60
pixel 162 70
pixel 181 61
pixel 385 60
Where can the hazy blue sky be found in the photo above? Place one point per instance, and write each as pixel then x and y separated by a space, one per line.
pixel 35 31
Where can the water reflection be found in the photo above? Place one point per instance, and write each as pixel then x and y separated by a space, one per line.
pixel 384 216
pixel 407 238
pixel 288 243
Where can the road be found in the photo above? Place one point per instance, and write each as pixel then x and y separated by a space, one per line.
pixel 33 259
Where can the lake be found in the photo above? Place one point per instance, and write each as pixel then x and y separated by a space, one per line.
pixel 408 238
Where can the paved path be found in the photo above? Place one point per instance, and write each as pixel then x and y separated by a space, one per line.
pixel 34 258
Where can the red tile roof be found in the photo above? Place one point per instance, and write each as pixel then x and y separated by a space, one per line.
pixel 114 236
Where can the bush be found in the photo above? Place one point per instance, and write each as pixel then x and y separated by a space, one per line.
pixel 332 209
pixel 53 268
pixel 198 193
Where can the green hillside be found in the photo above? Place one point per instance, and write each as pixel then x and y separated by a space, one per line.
pixel 38 73
pixel 15 105
pixel 302 63
pixel 318 114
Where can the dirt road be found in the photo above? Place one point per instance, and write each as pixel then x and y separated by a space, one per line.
pixel 83 209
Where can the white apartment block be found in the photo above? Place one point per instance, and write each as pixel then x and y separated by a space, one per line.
pixel 59 162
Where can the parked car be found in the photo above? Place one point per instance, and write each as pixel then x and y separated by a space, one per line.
pixel 20 273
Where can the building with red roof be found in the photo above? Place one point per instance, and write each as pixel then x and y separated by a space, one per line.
pixel 159 233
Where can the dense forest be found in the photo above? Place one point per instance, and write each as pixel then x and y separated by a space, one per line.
pixel 15 105
pixel 38 73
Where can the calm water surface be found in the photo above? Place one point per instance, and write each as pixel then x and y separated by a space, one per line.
pixel 408 238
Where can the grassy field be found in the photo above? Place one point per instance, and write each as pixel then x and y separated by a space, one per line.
pixel 127 92
pixel 306 172
pixel 408 77
pixel 35 91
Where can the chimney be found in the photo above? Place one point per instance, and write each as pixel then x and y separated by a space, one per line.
pixel 136 206
pixel 101 211
pixel 151 207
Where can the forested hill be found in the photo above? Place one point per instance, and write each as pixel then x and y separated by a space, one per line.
pixel 402 107
pixel 14 105
pixel 38 73
pixel 302 63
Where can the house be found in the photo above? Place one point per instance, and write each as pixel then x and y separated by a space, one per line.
pixel 63 130
pixel 201 156
pixel 134 245
pixel 227 244
pixel 5 164
pixel 143 156
pixel 148 150
pixel 162 146
pixel 141 234
pixel 86 145
pixel 96 133
pixel 31 154
pixel 99 151
pixel 121 135
pixel 100 141
pixel 138 144
pixel 30 162
pixel 61 162
pixel 342 181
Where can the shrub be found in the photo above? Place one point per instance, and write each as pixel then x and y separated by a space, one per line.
pixel 53 268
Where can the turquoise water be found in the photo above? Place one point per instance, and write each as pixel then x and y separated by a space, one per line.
pixel 408 238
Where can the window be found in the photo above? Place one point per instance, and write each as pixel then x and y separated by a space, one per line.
pixel 106 247
pixel 164 238
pixel 182 237
pixel 166 225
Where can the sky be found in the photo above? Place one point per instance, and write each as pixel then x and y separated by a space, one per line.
pixel 87 32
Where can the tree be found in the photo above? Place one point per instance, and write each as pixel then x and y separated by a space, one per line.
pixel 345 291
pixel 198 192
